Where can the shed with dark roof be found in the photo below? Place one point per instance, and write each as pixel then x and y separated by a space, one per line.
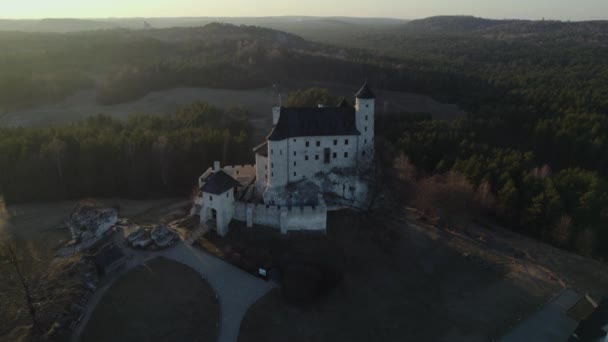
pixel 219 183
pixel 314 121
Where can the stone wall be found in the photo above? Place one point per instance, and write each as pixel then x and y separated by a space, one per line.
pixel 306 218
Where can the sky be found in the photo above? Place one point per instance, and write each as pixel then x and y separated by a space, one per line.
pixel 407 9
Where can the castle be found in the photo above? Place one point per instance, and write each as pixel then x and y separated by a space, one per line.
pixel 314 160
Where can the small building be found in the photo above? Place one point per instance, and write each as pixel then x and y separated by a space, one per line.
pixel 109 260
pixel 595 327
pixel 218 194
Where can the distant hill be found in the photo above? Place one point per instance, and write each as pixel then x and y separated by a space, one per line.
pixel 588 31
pixel 55 25
pixel 452 24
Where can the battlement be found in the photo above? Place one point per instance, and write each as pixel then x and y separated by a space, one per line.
pixel 285 218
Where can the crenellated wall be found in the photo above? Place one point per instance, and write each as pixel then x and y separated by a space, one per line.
pixel 310 218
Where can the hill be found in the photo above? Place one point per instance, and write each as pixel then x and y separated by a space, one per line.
pixel 54 25
pixel 451 24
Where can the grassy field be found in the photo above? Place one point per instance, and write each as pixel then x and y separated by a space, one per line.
pixel 258 101
pixel 406 282
pixel 160 301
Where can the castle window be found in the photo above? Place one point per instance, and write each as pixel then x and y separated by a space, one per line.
pixel 295 174
pixel 317 157
pixel 294 163
pixel 281 151
pixel 265 167
pixel 335 155
pixel 366 106
pixel 335 142
pixel 266 177
pixel 294 153
pixel 228 194
pixel 345 154
pixel 366 118
pixel 326 154
pixel 346 142
pixel 305 157
pixel 366 128
pixel 365 141
pixel 363 153
pixel 307 144
pixel 318 143
pixel 271 151
pixel 272 165
pixel 294 140
pixel 272 174
pixel 210 198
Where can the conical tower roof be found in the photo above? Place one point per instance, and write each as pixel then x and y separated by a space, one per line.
pixel 365 93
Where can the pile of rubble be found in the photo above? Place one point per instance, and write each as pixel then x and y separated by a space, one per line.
pixel 152 238
pixel 89 221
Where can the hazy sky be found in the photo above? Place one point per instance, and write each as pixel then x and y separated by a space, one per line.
pixel 528 9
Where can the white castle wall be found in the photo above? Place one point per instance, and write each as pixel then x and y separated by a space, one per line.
pixel 278 163
pixel 304 219
pixel 261 163
pixel 307 218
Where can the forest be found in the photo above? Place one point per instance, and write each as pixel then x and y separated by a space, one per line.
pixel 143 157
pixel 536 93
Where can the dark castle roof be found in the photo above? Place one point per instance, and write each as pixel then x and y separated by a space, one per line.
pixel 314 121
pixel 365 93
pixel 343 104
pixel 261 149
pixel 219 183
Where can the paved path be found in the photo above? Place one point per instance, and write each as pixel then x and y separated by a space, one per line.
pixel 237 290
pixel 548 324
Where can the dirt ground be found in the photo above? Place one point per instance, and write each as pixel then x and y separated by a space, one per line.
pixel 258 101
pixel 408 281
pixel 162 300
pixel 41 226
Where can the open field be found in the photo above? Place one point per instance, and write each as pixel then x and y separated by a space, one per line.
pixel 162 300
pixel 423 283
pixel 258 101
pixel 45 222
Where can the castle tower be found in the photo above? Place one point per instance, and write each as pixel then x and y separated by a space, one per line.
pixel 365 102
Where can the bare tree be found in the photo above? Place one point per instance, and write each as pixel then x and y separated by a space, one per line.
pixel 10 252
pixel 58 149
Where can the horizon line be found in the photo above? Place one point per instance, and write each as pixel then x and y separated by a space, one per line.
pixel 297 16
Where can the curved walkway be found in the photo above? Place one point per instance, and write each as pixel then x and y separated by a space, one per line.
pixel 237 290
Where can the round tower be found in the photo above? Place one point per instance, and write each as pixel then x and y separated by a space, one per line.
pixel 365 103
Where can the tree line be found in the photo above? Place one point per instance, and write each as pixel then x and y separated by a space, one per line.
pixel 144 156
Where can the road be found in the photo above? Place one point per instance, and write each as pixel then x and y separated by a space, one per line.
pixel 237 290
pixel 548 324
